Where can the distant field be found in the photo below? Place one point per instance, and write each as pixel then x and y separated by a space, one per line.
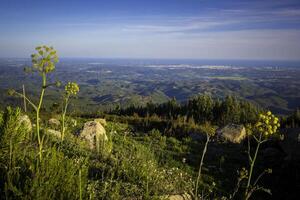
pixel 107 84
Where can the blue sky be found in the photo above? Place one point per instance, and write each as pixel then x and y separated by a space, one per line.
pixel 201 29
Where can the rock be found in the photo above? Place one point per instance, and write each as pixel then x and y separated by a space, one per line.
pixel 233 133
pixel 54 133
pixel 24 120
pixel 102 121
pixel 93 132
pixel 54 123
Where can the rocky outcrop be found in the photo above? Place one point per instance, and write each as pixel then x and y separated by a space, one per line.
pixel 93 132
pixel 233 133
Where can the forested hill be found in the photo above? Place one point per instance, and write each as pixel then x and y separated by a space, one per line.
pixel 200 109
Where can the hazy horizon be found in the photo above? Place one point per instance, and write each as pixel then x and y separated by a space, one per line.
pixel 192 29
pixel 170 61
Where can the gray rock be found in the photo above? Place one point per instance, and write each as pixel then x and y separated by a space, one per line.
pixel 233 133
pixel 93 132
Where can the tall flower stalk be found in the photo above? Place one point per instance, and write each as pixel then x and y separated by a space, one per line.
pixel 266 126
pixel 71 89
pixel 209 130
pixel 43 63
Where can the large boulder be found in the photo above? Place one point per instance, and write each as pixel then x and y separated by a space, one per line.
pixel 24 121
pixel 102 121
pixel 233 133
pixel 94 133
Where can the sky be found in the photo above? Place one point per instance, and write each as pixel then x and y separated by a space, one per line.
pixel 196 29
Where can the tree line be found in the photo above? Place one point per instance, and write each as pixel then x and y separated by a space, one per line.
pixel 200 109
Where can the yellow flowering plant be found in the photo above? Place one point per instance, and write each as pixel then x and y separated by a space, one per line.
pixel 266 126
pixel 43 63
pixel 71 89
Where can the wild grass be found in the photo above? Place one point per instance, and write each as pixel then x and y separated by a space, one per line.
pixel 70 170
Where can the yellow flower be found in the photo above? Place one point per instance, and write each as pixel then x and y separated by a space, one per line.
pixel 269 127
pixel 267 124
pixel 72 88
pixel 266 133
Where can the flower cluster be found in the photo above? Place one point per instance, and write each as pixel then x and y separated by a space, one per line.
pixel 44 60
pixel 267 124
pixel 72 88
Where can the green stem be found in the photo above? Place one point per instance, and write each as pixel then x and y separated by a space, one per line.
pixel 30 102
pixel 252 167
pixel 38 115
pixel 200 167
pixel 63 117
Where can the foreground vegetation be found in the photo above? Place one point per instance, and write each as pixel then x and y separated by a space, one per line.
pixel 134 166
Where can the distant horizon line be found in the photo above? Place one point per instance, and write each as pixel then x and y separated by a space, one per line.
pixel 156 58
